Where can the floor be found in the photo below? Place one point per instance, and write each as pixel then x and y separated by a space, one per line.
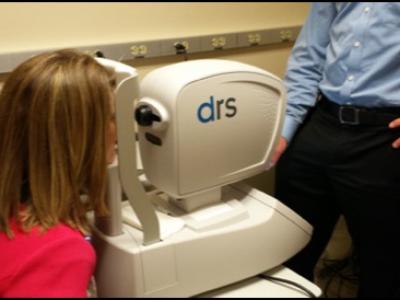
pixel 336 272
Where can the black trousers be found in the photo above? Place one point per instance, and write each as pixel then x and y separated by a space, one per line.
pixel 331 169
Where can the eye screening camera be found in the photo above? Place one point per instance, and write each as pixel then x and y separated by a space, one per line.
pixel 182 222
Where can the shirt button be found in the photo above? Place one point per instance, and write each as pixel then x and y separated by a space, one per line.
pixel 350 78
pixel 367 9
pixel 357 44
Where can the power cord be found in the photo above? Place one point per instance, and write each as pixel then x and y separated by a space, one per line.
pixel 344 270
pixel 304 289
pixel 98 53
pixel 181 49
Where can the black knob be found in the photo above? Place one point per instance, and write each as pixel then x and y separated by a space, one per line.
pixel 144 116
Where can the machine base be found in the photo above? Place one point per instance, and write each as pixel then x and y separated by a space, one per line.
pixel 256 287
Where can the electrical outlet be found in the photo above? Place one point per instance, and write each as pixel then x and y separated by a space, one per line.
pixel 91 52
pixel 254 39
pixel 171 46
pixel 218 42
pixel 286 35
pixel 183 43
pixel 139 50
pixel 110 51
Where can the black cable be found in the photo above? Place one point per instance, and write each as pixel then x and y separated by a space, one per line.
pixel 181 49
pixel 344 270
pixel 334 267
pixel 307 291
pixel 98 53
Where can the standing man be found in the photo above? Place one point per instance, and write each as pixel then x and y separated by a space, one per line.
pixel 341 134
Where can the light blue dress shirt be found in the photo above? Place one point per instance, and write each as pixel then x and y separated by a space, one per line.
pixel 349 51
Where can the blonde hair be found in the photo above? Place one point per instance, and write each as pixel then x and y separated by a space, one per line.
pixel 54 113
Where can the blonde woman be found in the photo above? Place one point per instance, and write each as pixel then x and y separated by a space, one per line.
pixel 57 134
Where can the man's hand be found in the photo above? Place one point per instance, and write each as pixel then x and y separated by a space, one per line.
pixel 282 147
pixel 395 124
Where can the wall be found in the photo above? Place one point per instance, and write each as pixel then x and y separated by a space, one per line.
pixel 29 26
pixel 32 26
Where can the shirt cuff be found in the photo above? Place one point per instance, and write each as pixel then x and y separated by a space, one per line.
pixel 289 128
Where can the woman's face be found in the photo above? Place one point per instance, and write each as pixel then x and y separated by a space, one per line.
pixel 111 137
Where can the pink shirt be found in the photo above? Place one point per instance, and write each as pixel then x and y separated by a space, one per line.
pixel 58 263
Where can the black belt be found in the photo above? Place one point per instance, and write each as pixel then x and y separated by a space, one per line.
pixel 355 115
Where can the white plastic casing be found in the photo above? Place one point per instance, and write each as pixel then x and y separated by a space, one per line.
pixel 203 147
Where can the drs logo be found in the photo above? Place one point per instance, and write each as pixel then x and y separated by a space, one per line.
pixel 211 110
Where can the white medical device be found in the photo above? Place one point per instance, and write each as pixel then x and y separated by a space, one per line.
pixel 203 126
